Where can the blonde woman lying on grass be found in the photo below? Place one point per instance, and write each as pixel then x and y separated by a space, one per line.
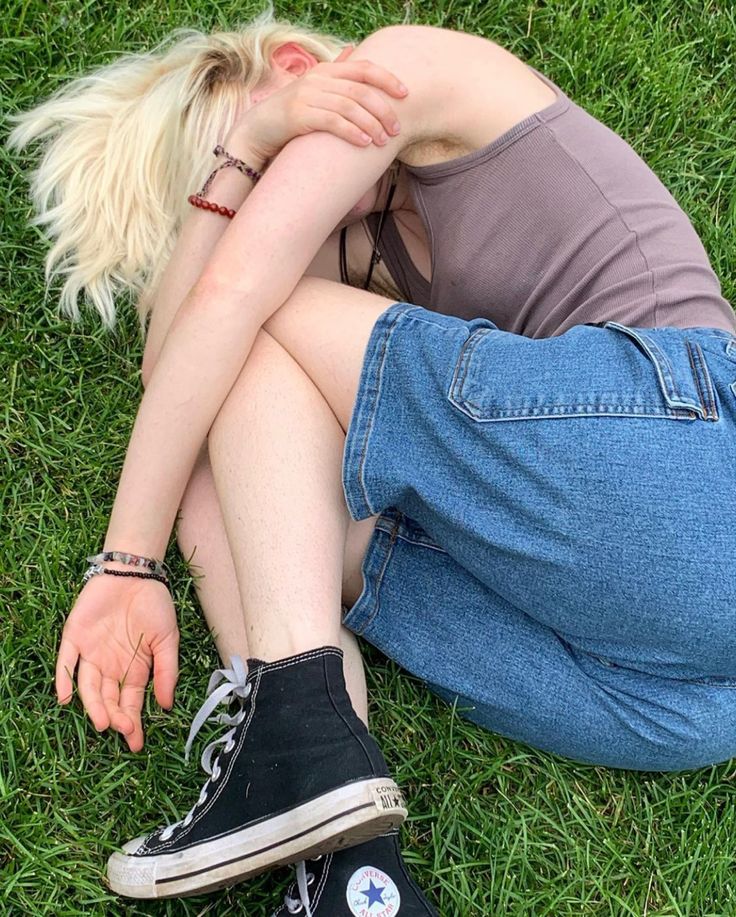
pixel 451 470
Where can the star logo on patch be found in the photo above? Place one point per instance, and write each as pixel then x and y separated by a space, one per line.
pixel 371 892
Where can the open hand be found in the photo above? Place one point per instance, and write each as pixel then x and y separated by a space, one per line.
pixel 118 628
pixel 339 96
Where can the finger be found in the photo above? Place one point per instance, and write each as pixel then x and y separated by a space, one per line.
pixel 345 53
pixel 166 671
pixel 110 692
pixel 365 71
pixel 318 119
pixel 89 680
pixel 131 703
pixel 355 113
pixel 66 663
pixel 377 104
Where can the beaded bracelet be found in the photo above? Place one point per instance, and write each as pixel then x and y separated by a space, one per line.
pixel 95 569
pixel 199 200
pixel 133 560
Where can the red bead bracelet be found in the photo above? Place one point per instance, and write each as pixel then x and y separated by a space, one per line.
pixel 197 201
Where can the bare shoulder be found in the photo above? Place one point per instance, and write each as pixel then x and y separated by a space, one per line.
pixel 464 90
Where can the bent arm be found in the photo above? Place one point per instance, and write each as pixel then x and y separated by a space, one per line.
pixel 200 233
pixel 255 266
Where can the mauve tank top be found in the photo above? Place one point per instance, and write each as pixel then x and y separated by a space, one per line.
pixel 555 223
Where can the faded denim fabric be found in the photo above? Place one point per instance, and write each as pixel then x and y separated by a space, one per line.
pixel 557 530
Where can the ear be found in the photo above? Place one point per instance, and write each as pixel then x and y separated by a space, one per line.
pixel 292 58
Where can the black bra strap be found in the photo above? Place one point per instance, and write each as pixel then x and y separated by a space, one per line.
pixel 375 255
pixel 343 255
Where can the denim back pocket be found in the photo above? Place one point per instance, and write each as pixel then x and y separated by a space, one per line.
pixel 605 370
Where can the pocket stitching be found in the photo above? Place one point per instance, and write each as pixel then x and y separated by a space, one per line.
pixel 657 359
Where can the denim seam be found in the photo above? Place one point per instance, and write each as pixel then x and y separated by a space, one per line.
pixel 405 535
pixel 425 543
pixel 370 419
pixel 571 411
pixel 438 325
pixel 379 579
pixel 702 380
pixel 457 384
pixel 715 681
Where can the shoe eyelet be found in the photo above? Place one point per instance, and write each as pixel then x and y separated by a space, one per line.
pixel 299 908
pixel 310 878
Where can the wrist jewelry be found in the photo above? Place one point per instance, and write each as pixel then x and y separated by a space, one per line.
pixel 199 199
pixel 133 560
pixel 238 163
pixel 96 568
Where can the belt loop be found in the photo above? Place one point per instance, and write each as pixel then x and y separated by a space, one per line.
pixel 702 380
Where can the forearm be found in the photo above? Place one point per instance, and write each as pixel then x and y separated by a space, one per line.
pixel 179 405
pixel 200 233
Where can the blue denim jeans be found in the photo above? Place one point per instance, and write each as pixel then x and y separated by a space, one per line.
pixel 556 542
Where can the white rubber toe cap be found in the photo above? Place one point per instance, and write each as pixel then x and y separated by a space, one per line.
pixel 134 877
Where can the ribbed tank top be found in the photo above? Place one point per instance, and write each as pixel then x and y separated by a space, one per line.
pixel 555 223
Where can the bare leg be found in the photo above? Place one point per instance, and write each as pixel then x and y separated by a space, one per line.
pixel 203 542
pixel 276 452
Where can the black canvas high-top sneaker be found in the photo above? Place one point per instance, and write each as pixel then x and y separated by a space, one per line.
pixel 298 775
pixel 366 881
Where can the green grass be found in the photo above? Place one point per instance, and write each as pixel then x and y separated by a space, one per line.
pixel 495 828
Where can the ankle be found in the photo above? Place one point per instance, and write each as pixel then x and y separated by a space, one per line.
pixel 290 646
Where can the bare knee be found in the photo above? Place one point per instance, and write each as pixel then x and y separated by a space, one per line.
pixel 262 368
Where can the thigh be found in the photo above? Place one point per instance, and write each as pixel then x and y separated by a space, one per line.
pixel 586 479
pixel 325 327
pixel 513 675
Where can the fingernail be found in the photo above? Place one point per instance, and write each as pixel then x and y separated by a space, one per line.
pixel 402 88
pixel 365 138
pixel 396 127
pixel 382 137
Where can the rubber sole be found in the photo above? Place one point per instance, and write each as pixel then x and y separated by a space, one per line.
pixel 344 817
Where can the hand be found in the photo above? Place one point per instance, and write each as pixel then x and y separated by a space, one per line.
pixel 117 628
pixel 335 96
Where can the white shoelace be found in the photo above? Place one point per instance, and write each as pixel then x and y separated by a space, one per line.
pixel 233 685
pixel 303 881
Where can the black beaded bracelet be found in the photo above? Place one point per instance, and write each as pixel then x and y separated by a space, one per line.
pixel 156 576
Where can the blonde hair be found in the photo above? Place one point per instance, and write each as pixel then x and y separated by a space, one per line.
pixel 124 146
